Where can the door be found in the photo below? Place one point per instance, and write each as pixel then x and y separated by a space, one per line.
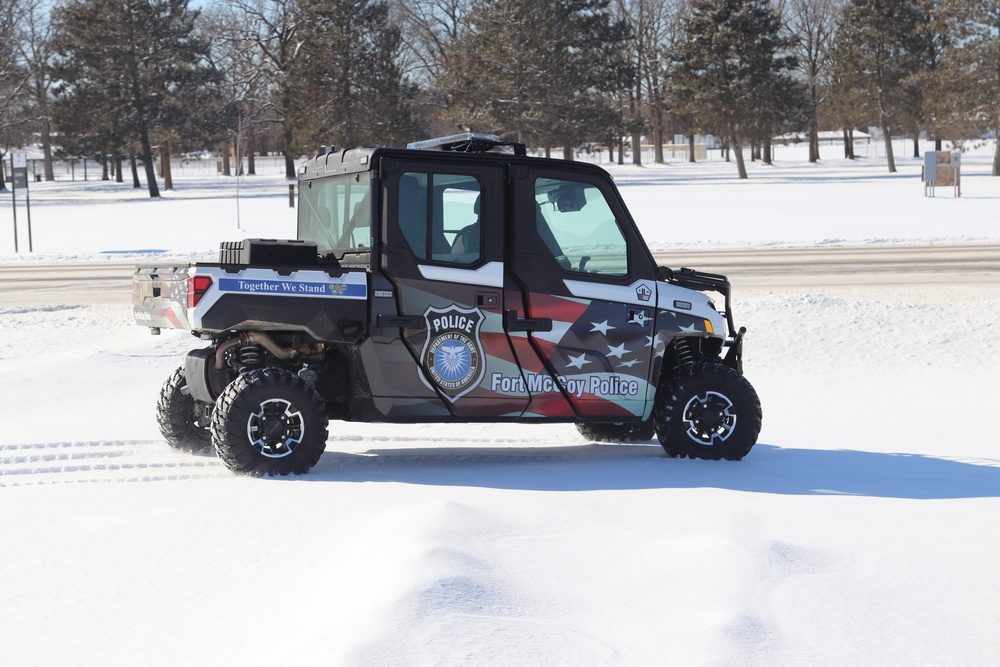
pixel 584 275
pixel 443 253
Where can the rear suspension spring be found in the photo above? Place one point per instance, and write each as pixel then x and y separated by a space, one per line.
pixel 250 357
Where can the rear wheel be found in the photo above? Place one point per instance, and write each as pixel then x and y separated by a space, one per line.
pixel 269 422
pixel 707 411
pixel 183 421
pixel 634 432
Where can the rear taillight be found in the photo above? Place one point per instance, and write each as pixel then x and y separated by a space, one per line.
pixel 197 286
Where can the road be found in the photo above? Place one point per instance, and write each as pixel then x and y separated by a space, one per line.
pixel 98 282
pixel 845 266
pixel 65 283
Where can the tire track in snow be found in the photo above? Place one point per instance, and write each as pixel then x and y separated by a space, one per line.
pixel 33 464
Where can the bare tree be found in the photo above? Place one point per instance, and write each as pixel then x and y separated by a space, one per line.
pixel 430 29
pixel 245 92
pixel 271 29
pixel 35 51
pixel 654 26
pixel 813 23
pixel 13 78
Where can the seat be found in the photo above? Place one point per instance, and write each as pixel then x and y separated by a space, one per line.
pixel 468 240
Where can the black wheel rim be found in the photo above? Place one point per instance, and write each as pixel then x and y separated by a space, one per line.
pixel 710 418
pixel 276 429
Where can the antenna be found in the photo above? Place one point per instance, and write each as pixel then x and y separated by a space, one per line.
pixel 239 167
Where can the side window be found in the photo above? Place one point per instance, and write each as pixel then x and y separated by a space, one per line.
pixel 439 216
pixel 577 226
pixel 336 213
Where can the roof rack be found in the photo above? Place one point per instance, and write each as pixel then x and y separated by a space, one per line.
pixel 467 142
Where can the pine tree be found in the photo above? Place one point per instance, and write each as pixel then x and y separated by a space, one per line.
pixel 127 69
pixel 734 66
pixel 348 87
pixel 537 70
pixel 878 50
pixel 967 96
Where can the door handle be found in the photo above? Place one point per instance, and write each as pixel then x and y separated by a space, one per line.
pixel 513 324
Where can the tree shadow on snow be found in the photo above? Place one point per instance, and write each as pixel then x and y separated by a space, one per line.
pixel 768 469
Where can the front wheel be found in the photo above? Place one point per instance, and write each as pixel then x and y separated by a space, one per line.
pixel 707 411
pixel 269 422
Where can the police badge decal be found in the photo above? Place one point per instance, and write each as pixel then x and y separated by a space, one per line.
pixel 453 351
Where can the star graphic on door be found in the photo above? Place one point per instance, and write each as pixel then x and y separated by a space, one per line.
pixel 617 351
pixel 577 362
pixel 603 327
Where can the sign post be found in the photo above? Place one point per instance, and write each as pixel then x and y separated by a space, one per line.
pixel 19 181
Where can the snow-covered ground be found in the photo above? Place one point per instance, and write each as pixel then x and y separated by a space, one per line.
pixel 861 530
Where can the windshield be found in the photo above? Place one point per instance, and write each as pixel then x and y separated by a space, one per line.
pixel 335 212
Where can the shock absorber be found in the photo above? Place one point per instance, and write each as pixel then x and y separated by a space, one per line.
pixel 250 356
pixel 682 348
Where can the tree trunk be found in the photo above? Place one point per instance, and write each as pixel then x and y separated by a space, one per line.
pixel 227 168
pixel 636 149
pixel 916 145
pixel 147 162
pixel 741 166
pixel 287 136
pixel 135 171
pixel 137 103
pixel 119 178
pixel 691 152
pixel 568 153
pixel 105 176
pixel 621 150
pixel 251 147
pixel 3 175
pixel 937 143
pixel 889 157
pixel 813 128
pixel 658 141
pixel 47 150
pixel 168 177
pixel 766 155
pixel 238 156
pixel 996 150
pixel 611 151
